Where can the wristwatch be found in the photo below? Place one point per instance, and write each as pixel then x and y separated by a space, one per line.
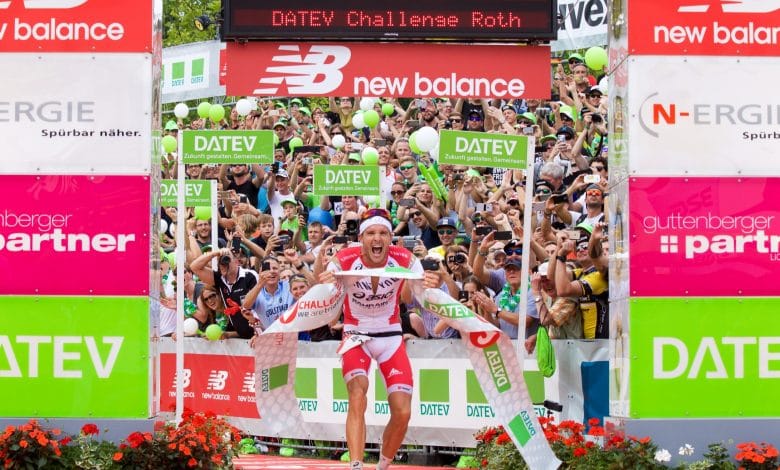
pixel 562 259
pixel 537 299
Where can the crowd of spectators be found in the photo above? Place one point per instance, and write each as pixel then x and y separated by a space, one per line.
pixel 275 232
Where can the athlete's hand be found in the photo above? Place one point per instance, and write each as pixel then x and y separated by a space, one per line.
pixel 327 277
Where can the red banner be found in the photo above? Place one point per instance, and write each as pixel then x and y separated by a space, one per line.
pixel 75 26
pixel 388 69
pixel 220 383
pixel 691 27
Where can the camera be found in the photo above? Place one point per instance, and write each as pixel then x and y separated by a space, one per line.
pixel 276 167
pixel 459 258
pixel 430 264
pixel 352 228
pixel 236 245
pixel 448 124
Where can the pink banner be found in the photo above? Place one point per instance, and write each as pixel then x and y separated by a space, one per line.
pixel 223 384
pixel 74 235
pixel 704 236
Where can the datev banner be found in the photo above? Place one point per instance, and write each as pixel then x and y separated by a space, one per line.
pixel 388 69
pixel 704 236
pixel 685 122
pixel 74 235
pixel 76 114
pixel 75 26
pixel 71 357
pixel 487 150
pixel 696 27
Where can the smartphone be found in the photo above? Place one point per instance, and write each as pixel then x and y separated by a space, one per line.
pixel 236 247
pixel 243 198
pixel 410 243
pixel 503 235
pixel 528 130
pixel 340 240
pixel 407 202
pixel 561 138
pixel 358 146
pixel 482 231
pixel 266 266
pixel 223 194
pixel 592 178
pixel 483 207
pixel 559 198
pixel 413 124
pixel 573 234
pixel 380 142
pixel 430 264
pixel 463 296
pixel 306 160
pixel 420 103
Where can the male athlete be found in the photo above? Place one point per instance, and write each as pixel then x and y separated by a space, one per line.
pixel 371 311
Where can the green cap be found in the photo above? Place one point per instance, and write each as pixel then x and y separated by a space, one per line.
pixel 576 56
pixel 296 101
pixel 548 137
pixel 567 110
pixel 530 116
pixel 305 110
pixel 279 104
pixel 355 156
pixel 171 126
pixel 585 226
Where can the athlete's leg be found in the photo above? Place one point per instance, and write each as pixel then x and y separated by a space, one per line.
pixel 395 431
pixel 357 388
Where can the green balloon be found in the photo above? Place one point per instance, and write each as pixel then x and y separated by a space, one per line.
pixel 387 109
pixel 169 143
pixel 217 112
pixel 370 156
pixel 413 143
pixel 371 118
pixel 213 332
pixel 172 259
pixel 203 213
pixel 295 142
pixel 596 58
pixel 203 109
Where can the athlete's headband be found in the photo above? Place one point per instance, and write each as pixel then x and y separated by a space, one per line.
pixel 375 220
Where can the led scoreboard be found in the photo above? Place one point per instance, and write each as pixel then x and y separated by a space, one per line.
pixel 454 20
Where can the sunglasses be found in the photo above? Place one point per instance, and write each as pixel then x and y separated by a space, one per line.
pixel 549 146
pixel 456 120
pixel 543 191
pixel 582 247
pixel 597 168
pixel 514 202
pixel 593 192
pixel 210 297
pixel 415 214
pixel 375 213
pixel 396 193
pixel 406 167
pixel 336 133
pixel 446 231
pixel 513 251
pixel 475 118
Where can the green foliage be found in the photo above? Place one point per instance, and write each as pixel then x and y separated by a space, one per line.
pixel 179 21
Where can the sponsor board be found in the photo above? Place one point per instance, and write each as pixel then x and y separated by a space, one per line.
pixel 71 357
pixel 682 121
pixel 705 27
pixel 584 24
pixel 75 26
pixel 191 71
pixel 74 235
pixel 347 180
pixel 704 358
pixel 704 236
pixel 446 70
pixel 196 193
pixel 76 114
pixel 227 147
pixel 486 150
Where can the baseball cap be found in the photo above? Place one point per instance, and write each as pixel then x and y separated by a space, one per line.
pixel 595 186
pixel 355 157
pixel 305 110
pixel 547 138
pixel 575 58
pixel 171 126
pixel 568 111
pixel 296 101
pixel 566 130
pixel 283 173
pixel 530 116
pixel 515 262
pixel 475 112
pixel 584 226
pixel 509 107
pixel 288 201
pixel 594 90
pixel 447 222
pixel 280 123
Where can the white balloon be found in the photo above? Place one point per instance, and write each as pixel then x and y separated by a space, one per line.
pixel 604 85
pixel 181 110
pixel 163 225
pixel 434 152
pixel 244 107
pixel 427 138
pixel 190 326
pixel 338 141
pixel 371 201
pixel 366 104
pixel 358 122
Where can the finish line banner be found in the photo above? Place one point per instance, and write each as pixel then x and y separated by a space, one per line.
pixel 492 356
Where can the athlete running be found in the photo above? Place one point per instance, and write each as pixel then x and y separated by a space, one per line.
pixel 372 323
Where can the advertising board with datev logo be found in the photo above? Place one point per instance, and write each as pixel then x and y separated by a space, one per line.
pixel 74 235
pixel 704 357
pixel 704 236
pixel 702 116
pixel 75 26
pixel 71 357
pixel 76 114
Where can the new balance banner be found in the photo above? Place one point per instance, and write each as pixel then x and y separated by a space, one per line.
pixel 704 236
pixel 696 27
pixel 492 356
pixel 74 235
pixel 388 69
pixel 75 26
pixel 76 113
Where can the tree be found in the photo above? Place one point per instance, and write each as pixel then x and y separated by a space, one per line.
pixel 179 21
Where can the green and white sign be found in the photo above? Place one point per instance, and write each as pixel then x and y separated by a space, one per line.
pixel 346 180
pixel 227 147
pixel 75 357
pixel 484 150
pixel 705 358
pixel 196 193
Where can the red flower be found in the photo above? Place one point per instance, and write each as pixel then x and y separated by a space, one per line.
pixel 484 462
pixel 644 440
pixel 135 439
pixel 23 444
pixel 596 431
pixel 770 451
pixel 192 462
pixel 65 441
pixel 580 451
pixel 89 429
pixel 118 456
pixel 503 438
pixel 594 422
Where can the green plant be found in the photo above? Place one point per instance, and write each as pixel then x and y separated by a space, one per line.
pixel 88 453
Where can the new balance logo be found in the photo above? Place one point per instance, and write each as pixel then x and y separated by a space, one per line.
pixel 46 4
pixel 394 372
pixel 217 380
pixel 734 6
pixel 316 72
pixel 249 383
pixel 669 244
pixel 186 374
